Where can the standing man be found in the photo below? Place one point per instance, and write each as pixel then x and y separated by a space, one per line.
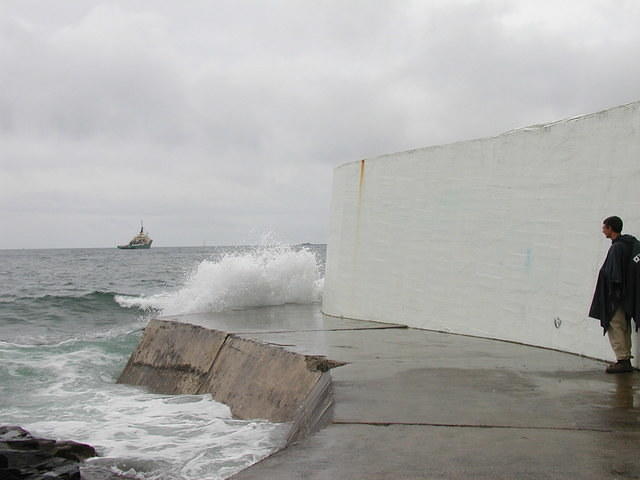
pixel 616 298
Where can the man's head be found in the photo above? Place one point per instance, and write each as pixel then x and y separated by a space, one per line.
pixel 612 227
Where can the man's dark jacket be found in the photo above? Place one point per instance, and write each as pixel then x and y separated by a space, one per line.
pixel 618 282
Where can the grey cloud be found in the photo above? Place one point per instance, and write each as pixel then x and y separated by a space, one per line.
pixel 216 119
pixel 82 81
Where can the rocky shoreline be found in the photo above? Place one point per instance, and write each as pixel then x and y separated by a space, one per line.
pixel 25 457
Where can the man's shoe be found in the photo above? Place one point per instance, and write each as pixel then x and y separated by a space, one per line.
pixel 621 366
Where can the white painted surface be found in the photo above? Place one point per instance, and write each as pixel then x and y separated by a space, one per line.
pixel 496 237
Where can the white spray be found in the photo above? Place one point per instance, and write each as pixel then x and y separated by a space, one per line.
pixel 273 275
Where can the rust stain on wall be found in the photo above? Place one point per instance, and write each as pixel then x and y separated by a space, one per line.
pixel 361 172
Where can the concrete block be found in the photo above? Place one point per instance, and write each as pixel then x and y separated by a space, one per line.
pixel 260 381
pixel 256 380
pixel 173 357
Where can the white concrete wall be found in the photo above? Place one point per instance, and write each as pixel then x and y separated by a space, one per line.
pixel 498 237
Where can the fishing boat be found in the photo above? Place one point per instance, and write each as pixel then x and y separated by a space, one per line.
pixel 141 240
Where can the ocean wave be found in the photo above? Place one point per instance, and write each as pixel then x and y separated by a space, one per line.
pixel 94 297
pixel 36 340
pixel 61 307
pixel 69 391
pixel 266 276
pixel 51 319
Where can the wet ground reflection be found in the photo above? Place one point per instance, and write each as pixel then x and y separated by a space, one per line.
pixel 626 391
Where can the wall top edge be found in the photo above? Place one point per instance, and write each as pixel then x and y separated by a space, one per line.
pixel 529 128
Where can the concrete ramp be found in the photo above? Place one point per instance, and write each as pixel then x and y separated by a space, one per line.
pixel 173 358
pixel 256 380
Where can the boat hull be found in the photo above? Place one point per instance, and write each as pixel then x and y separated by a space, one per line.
pixel 135 247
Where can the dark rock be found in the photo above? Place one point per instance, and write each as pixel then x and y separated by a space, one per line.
pixel 20 458
pixel 12 432
pixel 74 451
pixel 68 470
pixel 25 457
pixel 10 474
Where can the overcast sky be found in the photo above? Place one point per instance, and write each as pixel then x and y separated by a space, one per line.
pixel 218 121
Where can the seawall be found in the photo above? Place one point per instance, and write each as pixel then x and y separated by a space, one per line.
pixel 256 380
pixel 496 237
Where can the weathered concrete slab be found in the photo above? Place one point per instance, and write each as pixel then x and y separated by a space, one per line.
pixel 414 404
pixel 278 318
pixel 173 358
pixel 401 452
pixel 416 376
pixel 254 379
pixel 171 345
pixel 260 381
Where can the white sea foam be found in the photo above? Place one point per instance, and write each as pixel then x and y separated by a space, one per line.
pixel 274 275
pixel 71 395
pixel 166 437
pixel 61 352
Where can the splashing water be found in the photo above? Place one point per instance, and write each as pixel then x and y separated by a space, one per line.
pixel 67 392
pixel 64 341
pixel 274 275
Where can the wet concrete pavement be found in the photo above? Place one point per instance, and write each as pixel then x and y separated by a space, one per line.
pixel 414 404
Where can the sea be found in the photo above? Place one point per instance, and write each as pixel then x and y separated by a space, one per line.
pixel 70 318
